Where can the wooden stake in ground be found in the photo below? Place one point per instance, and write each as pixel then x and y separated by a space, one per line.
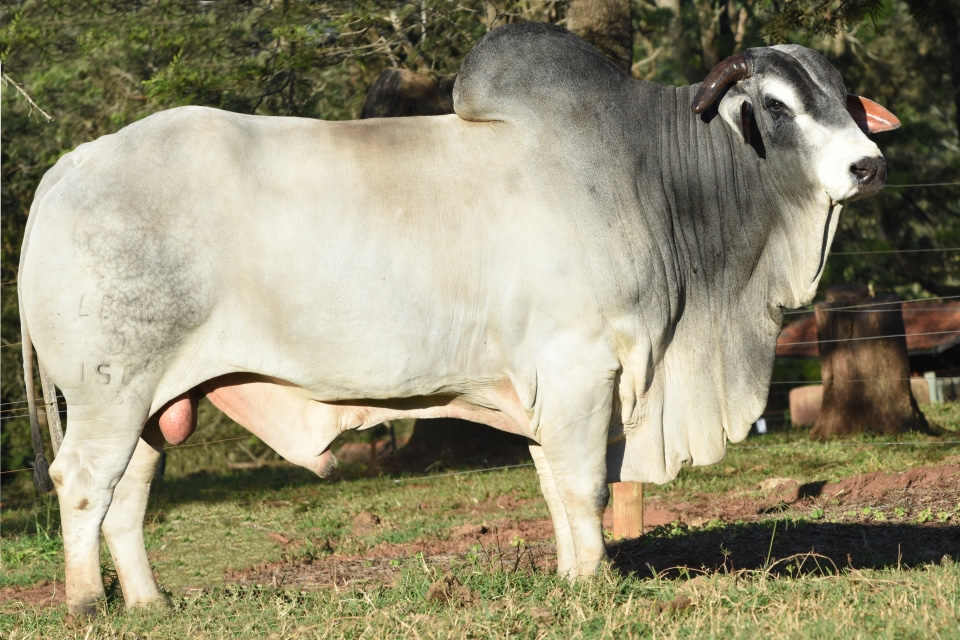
pixel 627 510
pixel 866 386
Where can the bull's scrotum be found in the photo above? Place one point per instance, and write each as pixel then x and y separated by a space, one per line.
pixel 576 257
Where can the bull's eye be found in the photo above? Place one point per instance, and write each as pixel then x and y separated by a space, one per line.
pixel 775 107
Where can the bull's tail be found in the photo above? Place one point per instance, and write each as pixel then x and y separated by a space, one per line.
pixel 41 470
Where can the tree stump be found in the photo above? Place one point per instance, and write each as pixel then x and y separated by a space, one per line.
pixel 866 378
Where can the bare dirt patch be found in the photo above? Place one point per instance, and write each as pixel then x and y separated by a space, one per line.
pixel 912 491
pixel 739 536
pixel 43 594
pixel 505 544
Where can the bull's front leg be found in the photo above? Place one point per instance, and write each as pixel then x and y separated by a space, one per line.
pixel 573 439
pixel 566 555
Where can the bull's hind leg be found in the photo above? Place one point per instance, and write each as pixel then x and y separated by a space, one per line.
pixel 123 525
pixel 96 449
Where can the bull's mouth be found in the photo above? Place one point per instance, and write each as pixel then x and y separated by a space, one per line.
pixel 865 191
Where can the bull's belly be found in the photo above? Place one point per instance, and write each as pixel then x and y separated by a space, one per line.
pixel 301 428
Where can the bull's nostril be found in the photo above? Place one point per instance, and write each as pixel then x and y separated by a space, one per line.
pixel 866 170
pixel 870 173
pixel 863 171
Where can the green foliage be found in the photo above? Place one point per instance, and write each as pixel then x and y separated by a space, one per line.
pixel 906 66
pixel 821 19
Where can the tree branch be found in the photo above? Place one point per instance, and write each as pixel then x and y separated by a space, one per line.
pixel 33 105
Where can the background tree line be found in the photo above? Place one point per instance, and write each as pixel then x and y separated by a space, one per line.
pixel 89 67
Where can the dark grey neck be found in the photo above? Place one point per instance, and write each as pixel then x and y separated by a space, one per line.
pixel 709 195
pixel 715 194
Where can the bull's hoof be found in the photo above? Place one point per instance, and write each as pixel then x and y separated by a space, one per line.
pixel 160 603
pixel 80 613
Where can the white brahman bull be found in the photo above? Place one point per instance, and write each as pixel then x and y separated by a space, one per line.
pixel 576 256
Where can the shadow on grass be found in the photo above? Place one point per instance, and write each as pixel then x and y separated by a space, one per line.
pixel 835 547
pixel 240 484
pixel 31 514
pixel 249 484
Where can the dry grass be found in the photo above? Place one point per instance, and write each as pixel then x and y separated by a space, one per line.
pixel 892 603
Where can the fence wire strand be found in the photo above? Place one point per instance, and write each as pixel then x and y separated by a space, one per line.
pixel 928 184
pixel 795 445
pixel 9 413
pixel 867 305
pixel 892 335
pixel 898 335
pixel 889 251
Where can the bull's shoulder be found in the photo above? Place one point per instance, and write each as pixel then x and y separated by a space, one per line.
pixel 533 73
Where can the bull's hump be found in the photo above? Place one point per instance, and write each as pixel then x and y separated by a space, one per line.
pixel 532 73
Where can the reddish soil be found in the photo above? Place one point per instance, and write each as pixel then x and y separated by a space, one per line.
pixel 852 539
pixel 43 594
pixel 937 488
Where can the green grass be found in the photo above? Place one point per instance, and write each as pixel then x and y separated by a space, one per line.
pixel 207 518
pixel 34 551
pixel 199 525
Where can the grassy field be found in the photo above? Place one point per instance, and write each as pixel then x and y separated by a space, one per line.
pixel 272 551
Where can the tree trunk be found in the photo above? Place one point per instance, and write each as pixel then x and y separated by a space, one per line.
pixel 607 25
pixel 866 385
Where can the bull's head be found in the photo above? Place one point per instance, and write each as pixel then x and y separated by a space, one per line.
pixel 793 99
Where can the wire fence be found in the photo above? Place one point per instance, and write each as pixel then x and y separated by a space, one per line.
pixel 202 443
pixel 19 411
pixel 866 252
pixel 928 184
pixel 893 251
pixel 868 305
pixel 737 447
pixel 883 337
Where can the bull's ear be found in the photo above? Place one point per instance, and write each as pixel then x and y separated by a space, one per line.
pixel 746 118
pixel 737 111
pixel 870 116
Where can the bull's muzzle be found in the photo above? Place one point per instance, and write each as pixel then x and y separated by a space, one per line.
pixel 870 173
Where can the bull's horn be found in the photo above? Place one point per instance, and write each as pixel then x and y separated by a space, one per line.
pixel 733 69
